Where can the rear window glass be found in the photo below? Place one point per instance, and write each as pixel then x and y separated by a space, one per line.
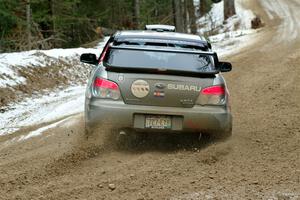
pixel 160 60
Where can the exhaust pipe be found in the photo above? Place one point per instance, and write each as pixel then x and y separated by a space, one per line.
pixel 122 132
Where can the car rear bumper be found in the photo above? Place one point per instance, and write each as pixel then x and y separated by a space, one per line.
pixel 119 115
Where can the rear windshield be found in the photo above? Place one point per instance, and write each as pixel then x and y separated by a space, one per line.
pixel 160 60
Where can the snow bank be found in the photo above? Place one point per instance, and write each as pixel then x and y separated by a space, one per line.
pixel 229 36
pixel 37 110
pixel 10 63
pixel 245 16
pixel 42 130
pixel 40 109
pixel 214 20
pixel 289 29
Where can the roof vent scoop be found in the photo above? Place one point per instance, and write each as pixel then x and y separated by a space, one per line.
pixel 160 28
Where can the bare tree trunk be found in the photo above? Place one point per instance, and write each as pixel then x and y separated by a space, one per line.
pixel 2 41
pixel 192 17
pixel 136 18
pixel 202 8
pixel 185 15
pixel 229 9
pixel 178 16
pixel 54 31
pixel 28 22
pixel 51 13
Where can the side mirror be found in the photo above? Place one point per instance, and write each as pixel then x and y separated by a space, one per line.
pixel 89 58
pixel 225 66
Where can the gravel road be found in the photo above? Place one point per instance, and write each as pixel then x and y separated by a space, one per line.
pixel 260 161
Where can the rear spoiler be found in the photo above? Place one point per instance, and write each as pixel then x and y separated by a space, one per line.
pixel 213 54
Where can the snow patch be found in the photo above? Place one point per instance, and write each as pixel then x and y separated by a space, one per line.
pixel 41 130
pixel 288 31
pixel 245 16
pixel 10 63
pixel 230 36
pixel 40 109
pixel 67 122
pixel 214 19
pixel 37 110
pixel 232 42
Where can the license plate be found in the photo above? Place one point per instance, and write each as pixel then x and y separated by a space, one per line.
pixel 158 122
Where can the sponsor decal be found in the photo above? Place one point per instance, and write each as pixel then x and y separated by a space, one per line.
pixel 140 88
pixel 184 87
pixel 160 85
pixel 159 93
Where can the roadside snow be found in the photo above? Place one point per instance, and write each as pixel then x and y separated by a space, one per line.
pixel 10 63
pixel 41 130
pixel 229 37
pixel 63 53
pixel 66 122
pixel 37 110
pixel 214 20
pixel 245 15
pixel 40 109
pixel 230 43
pixel 289 28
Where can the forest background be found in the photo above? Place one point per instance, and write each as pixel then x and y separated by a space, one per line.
pixel 46 24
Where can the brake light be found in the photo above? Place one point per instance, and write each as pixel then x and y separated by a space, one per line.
pixel 103 83
pixel 213 95
pixel 103 88
pixel 214 90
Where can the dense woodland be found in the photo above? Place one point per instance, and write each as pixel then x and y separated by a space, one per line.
pixel 44 24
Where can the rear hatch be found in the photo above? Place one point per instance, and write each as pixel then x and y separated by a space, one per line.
pixel 158 89
pixel 160 76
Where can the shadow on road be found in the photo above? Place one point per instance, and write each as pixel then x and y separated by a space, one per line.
pixel 161 142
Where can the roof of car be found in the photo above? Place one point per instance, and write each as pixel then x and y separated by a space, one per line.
pixel 148 34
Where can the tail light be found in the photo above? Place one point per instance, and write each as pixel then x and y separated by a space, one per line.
pixel 213 95
pixel 106 89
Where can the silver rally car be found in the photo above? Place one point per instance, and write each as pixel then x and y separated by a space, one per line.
pixel 161 81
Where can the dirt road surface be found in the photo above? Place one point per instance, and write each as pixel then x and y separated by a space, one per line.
pixel 260 161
